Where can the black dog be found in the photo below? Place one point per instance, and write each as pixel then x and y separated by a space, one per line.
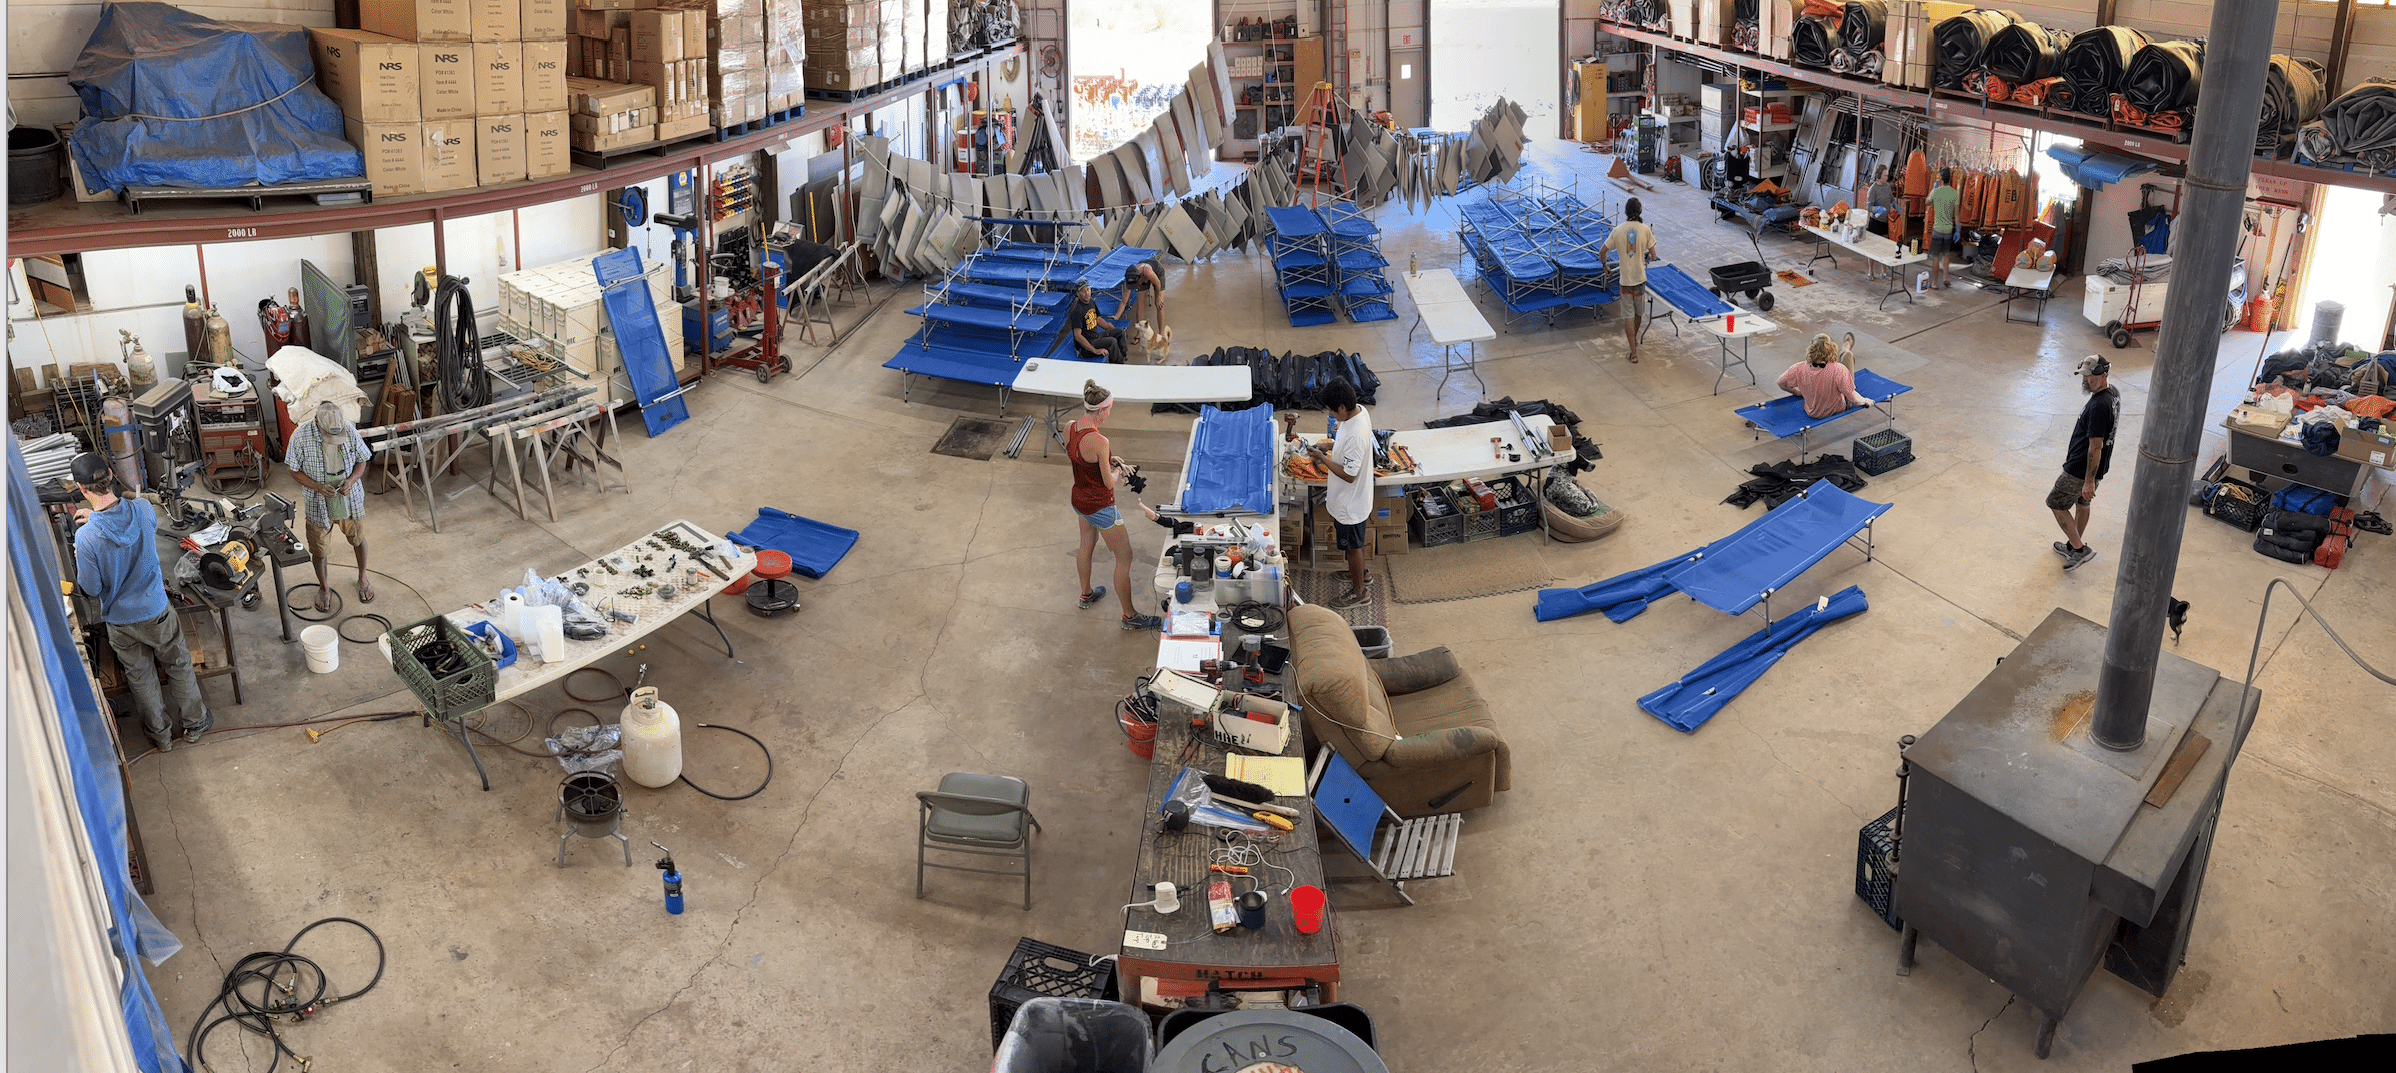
pixel 2177 617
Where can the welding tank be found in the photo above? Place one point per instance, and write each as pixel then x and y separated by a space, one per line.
pixel 124 449
pixel 652 740
pixel 217 349
pixel 195 326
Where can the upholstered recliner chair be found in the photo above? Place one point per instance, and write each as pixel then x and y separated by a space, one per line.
pixel 1413 726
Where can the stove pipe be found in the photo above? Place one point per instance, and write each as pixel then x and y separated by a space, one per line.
pixel 2212 202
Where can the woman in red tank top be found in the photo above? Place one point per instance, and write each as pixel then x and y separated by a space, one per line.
pixel 1095 471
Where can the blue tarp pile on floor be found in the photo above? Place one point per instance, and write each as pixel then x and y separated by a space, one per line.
pixel 174 99
pixel 1692 700
pixel 1231 462
pixel 814 547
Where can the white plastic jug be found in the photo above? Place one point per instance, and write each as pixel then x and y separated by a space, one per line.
pixel 547 625
pixel 651 739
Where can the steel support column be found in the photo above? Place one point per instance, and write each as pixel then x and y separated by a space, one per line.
pixel 2212 203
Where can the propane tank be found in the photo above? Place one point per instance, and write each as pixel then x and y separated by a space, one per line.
pixel 195 326
pixel 124 451
pixel 651 739
pixel 138 365
pixel 218 348
pixel 672 877
pixel 299 321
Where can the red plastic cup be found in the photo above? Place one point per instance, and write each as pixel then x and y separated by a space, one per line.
pixel 1730 322
pixel 1307 904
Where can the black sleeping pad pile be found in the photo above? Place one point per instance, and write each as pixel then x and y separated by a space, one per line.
pixel 1961 42
pixel 2093 63
pixel 2293 96
pixel 2024 52
pixel 2164 76
pixel 1291 381
pixel 1863 26
pixel 1811 40
pixel 2357 128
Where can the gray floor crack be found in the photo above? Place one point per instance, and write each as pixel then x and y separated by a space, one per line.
pixel 1791 769
pixel 1971 1048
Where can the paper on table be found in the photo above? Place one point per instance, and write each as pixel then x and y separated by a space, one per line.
pixel 1284 775
pixel 1178 654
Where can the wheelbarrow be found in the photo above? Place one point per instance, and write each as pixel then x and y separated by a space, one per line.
pixel 1751 278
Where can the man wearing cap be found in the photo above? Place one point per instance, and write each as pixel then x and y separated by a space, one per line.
pixel 116 565
pixel 1095 338
pixel 329 458
pixel 2085 462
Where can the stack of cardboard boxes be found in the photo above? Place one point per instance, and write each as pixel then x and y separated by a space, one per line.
pixel 611 115
pixel 448 94
pixel 853 44
pixel 661 45
pixel 1385 530
pixel 785 55
pixel 736 41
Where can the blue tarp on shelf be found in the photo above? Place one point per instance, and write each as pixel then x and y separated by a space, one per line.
pixel 174 99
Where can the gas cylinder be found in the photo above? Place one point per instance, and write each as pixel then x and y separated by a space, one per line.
pixel 124 451
pixel 651 739
pixel 138 366
pixel 299 321
pixel 218 348
pixel 195 326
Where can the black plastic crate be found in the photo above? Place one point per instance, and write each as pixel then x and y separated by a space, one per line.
pixel 1038 969
pixel 1518 510
pixel 1447 528
pixel 1874 882
pixel 470 682
pixel 1883 451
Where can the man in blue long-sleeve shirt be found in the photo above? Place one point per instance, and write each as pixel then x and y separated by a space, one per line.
pixel 116 564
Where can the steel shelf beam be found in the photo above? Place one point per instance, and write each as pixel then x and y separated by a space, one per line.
pixel 2133 142
pixel 75 227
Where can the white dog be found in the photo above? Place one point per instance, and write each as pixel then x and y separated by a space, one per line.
pixel 1157 344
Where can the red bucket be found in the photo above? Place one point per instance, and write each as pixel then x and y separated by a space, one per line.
pixel 1142 735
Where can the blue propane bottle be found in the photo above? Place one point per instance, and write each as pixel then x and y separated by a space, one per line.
pixel 673 880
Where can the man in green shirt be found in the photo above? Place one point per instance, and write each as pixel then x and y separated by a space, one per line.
pixel 1942 226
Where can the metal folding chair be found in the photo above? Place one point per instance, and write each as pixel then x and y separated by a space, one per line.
pixel 984 815
pixel 1420 848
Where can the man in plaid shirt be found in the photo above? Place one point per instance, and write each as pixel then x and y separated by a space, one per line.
pixel 329 459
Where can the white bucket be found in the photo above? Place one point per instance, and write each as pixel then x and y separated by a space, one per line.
pixel 324 648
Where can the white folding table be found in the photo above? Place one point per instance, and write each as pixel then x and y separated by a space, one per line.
pixel 1746 326
pixel 610 580
pixel 1877 249
pixel 1459 452
pixel 2031 284
pixel 1059 380
pixel 1442 307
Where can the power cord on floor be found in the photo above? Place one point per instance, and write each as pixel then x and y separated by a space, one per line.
pixel 284 993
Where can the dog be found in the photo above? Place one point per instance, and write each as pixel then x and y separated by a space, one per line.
pixel 2176 616
pixel 1157 344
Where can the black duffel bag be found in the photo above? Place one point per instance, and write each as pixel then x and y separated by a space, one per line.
pixel 2237 502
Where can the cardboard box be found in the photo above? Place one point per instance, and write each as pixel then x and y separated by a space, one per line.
pixel 371 76
pixel 2369 448
pixel 1390 541
pixel 543 20
pixel 496 20
pixel 418 20
pixel 598 23
pixel 623 139
pixel 694 29
pixel 612 122
pixel 657 36
pixel 594 97
pixel 394 154
pixel 498 149
pixel 683 128
pixel 824 75
pixel 735 33
pixel 545 145
pixel 498 78
pixel 445 77
pixel 449 155
pixel 841 38
pixel 1249 733
pixel 544 66
pixel 856 58
pixel 604 5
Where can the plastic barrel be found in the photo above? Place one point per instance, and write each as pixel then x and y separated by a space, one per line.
pixel 33 163
pixel 323 644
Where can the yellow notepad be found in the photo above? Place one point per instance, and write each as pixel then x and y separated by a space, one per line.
pixel 1284 775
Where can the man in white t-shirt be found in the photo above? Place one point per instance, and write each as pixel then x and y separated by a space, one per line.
pixel 1632 243
pixel 1348 490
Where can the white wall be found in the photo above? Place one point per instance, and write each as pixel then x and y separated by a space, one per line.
pixel 1485 49
pixel 141 290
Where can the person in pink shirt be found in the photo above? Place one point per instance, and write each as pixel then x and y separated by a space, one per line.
pixel 1825 385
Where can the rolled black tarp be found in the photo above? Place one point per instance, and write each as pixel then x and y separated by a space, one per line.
pixel 2292 97
pixel 2357 128
pixel 1810 42
pixel 2164 76
pixel 1863 25
pixel 2093 65
pixel 1746 10
pixel 1650 12
pixel 1961 42
pixel 2022 52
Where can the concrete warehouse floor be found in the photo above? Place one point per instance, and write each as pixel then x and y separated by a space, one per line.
pixel 1642 899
